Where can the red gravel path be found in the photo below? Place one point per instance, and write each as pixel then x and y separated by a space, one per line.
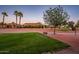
pixel 70 39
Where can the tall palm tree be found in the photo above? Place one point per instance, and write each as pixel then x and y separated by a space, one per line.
pixel 20 14
pixel 4 15
pixel 16 14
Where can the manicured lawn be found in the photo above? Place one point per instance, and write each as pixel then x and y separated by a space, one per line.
pixel 29 43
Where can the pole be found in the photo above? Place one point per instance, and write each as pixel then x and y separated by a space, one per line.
pixel 75 34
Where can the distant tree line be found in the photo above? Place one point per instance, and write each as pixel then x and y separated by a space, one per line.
pixel 53 17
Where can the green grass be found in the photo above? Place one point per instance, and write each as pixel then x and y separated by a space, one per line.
pixel 29 43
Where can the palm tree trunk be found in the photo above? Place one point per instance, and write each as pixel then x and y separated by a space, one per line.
pixel 3 22
pixel 16 21
pixel 20 21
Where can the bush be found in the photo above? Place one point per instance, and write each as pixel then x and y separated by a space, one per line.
pixel 64 28
pixel 32 26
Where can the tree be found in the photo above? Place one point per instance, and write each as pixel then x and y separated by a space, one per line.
pixel 71 25
pixel 55 16
pixel 77 24
pixel 4 15
pixel 20 14
pixel 16 14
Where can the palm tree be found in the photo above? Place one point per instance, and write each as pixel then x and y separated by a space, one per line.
pixel 4 15
pixel 16 14
pixel 20 14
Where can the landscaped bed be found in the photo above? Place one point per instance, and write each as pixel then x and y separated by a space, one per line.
pixel 29 43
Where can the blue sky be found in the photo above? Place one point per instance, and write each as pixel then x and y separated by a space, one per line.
pixel 34 13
